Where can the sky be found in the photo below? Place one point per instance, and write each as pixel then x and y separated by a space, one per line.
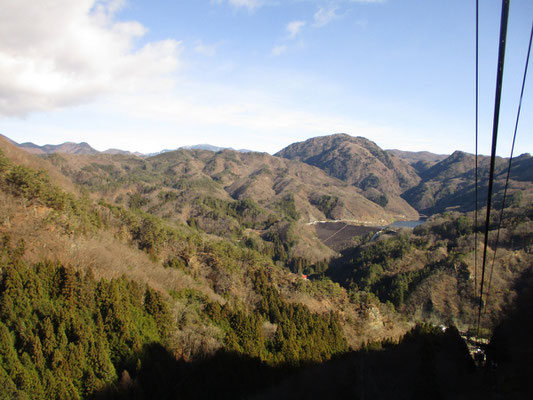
pixel 148 75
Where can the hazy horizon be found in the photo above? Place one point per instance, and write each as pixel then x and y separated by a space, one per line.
pixel 164 149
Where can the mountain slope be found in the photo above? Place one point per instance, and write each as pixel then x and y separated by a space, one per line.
pixel 379 176
pixel 451 182
pixel 227 192
pixel 226 175
pixel 419 160
pixel 21 157
pixel 39 221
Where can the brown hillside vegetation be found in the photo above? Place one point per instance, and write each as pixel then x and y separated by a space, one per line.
pixel 380 176
pixel 450 183
pixel 227 175
pixel 419 160
pixel 168 268
pixel 21 157
pixel 111 242
pixel 227 192
pixel 429 274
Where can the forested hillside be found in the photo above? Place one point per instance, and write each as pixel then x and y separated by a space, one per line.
pixel 195 274
pixel 236 195
pixel 100 283
pixel 429 274
pixel 450 183
pixel 380 176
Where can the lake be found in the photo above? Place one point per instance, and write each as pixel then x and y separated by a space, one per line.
pixel 407 224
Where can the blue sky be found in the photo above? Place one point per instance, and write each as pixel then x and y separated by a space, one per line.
pixel 258 74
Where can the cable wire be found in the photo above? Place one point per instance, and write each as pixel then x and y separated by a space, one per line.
pixel 510 164
pixel 476 146
pixel 497 102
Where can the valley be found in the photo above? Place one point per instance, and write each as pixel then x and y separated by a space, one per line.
pixel 276 266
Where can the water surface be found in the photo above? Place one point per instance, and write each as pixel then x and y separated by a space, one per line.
pixel 407 224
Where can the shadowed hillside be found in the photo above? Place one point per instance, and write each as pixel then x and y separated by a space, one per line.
pixel 510 351
pixel 451 182
pixel 419 160
pixel 426 363
pixel 380 176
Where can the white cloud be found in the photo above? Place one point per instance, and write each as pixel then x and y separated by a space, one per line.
pixel 249 4
pixel 59 53
pixel 294 28
pixel 278 50
pixel 328 12
pixel 324 16
pixel 209 50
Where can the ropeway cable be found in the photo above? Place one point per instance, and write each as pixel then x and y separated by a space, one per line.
pixel 510 164
pixel 497 102
pixel 476 160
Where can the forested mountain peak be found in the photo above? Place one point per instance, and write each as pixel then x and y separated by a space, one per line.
pixel 67 147
pixel 380 176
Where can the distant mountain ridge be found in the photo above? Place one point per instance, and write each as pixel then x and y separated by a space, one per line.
pixel 404 183
pixel 229 175
pixel 419 160
pixel 450 183
pixel 122 152
pixel 205 146
pixel 84 148
pixel 430 183
pixel 67 147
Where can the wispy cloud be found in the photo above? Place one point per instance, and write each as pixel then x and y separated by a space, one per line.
pixel 249 4
pixel 324 16
pixel 294 28
pixel 59 53
pixel 329 12
pixel 278 50
pixel 367 1
pixel 209 50
pixel 213 111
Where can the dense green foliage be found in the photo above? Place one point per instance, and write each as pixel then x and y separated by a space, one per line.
pixel 64 335
pixel 430 273
pixel 326 204
pixel 374 269
pixel 67 335
pixel 287 208
pixel 299 334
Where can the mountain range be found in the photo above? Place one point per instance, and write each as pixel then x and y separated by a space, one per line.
pixel 84 148
pixel 195 272
pixel 402 183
